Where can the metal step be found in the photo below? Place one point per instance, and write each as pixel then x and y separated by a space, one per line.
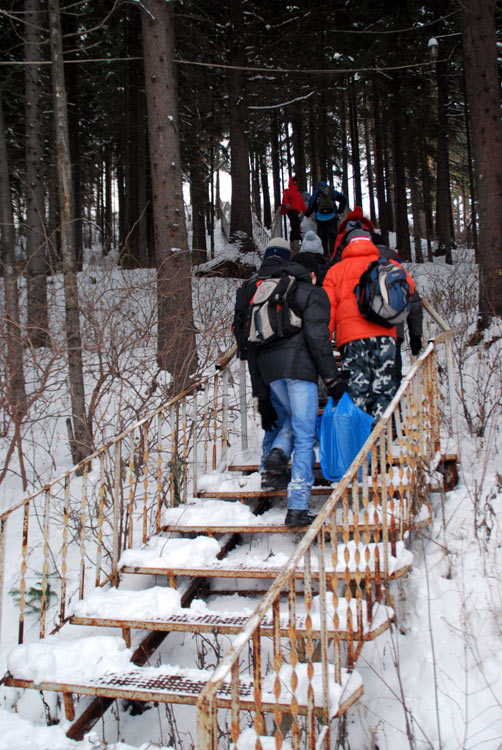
pixel 172 685
pixel 231 623
pixel 226 569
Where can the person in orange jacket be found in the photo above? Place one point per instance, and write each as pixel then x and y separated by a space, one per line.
pixel 367 349
pixel 293 205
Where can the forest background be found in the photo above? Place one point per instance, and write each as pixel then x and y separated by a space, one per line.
pixel 111 112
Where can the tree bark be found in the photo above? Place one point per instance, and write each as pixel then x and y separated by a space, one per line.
pixel 37 323
pixel 398 149
pixel 176 346
pixel 16 393
pixel 241 227
pixel 81 440
pixel 483 96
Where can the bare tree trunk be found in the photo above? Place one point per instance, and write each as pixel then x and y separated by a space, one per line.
pixel 443 200
pixel 483 96
pixel 81 437
pixel 16 401
pixel 276 163
pixel 354 139
pixel 267 213
pixel 36 244
pixel 379 168
pixel 241 227
pixel 176 346
pixel 398 149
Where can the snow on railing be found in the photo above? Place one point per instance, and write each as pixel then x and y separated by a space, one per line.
pixel 67 537
pixel 338 578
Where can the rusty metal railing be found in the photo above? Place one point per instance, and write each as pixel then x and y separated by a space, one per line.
pixel 68 536
pixel 339 576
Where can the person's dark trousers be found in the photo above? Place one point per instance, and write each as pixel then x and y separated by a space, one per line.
pixel 327 231
pixel 294 221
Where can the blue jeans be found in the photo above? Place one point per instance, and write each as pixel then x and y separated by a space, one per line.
pixel 296 404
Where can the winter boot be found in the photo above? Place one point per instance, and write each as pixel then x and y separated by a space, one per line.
pixel 296 517
pixel 295 247
pixel 276 475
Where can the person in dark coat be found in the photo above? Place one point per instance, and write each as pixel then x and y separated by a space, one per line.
pixel 284 375
pixel 327 204
pixel 312 246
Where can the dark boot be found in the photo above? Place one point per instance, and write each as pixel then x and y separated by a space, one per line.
pixel 273 481
pixel 298 517
pixel 276 462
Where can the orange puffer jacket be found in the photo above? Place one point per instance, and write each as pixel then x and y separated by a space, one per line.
pixel 292 198
pixel 346 320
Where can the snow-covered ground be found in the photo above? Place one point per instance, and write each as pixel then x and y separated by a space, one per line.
pixel 434 680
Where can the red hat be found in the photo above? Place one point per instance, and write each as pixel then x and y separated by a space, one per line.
pixel 356 215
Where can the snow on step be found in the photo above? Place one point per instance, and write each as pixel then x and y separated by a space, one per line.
pixel 247 741
pixel 102 664
pixel 58 659
pixel 199 555
pixel 118 607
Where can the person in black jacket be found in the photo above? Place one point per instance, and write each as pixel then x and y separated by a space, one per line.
pixel 284 376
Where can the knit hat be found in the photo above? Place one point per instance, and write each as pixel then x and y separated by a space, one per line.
pixel 308 260
pixel 356 215
pixel 311 243
pixel 278 247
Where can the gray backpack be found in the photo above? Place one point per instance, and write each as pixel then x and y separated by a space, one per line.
pixel 272 317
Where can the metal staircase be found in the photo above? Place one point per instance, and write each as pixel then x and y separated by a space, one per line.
pixel 127 511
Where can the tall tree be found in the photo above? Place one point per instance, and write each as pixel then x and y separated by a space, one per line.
pixel 176 347
pixel 80 434
pixel 15 388
pixel 36 244
pixel 241 227
pixel 483 95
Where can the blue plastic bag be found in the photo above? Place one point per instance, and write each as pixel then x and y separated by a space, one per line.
pixel 344 429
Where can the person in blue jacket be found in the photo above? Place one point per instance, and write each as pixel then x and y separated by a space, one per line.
pixel 327 204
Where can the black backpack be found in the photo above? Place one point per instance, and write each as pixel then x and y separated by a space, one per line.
pixel 272 316
pixel 242 314
pixel 326 200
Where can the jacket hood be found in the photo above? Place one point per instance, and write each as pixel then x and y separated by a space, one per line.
pixel 360 244
pixel 292 184
pixel 320 184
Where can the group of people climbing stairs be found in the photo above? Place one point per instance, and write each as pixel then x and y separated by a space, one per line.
pixel 294 606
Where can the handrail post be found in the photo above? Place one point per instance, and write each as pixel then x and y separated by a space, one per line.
pixel 243 405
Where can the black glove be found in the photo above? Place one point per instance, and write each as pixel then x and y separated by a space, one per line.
pixel 268 414
pixel 415 345
pixel 336 388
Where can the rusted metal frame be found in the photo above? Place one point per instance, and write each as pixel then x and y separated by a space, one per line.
pixel 24 566
pixel 304 544
pixel 205 426
pixel 214 460
pixel 172 459
pixel 234 711
pixel 3 536
pixel 132 487
pixel 323 644
pixel 259 723
pixel 101 519
pixel 158 492
pixel 83 507
pixel 224 417
pixel 116 512
pixel 277 663
pixel 45 566
pixel 195 444
pixel 64 557
pixel 184 450
pixel 243 404
pixel 145 459
pixel 309 644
